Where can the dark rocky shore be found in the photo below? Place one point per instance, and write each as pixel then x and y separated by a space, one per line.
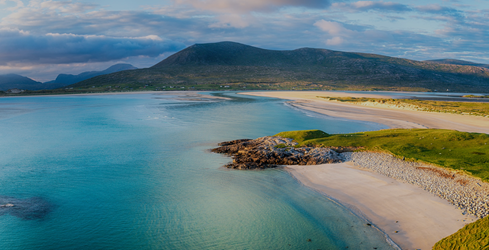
pixel 272 151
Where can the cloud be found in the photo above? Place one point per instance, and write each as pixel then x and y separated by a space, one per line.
pixel 437 9
pixel 334 41
pixel 58 34
pixel 21 47
pixel 333 28
pixel 372 5
pixel 240 14
pixel 241 7
pixel 370 40
pixel 18 4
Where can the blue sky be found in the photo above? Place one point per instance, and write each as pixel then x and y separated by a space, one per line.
pixel 41 39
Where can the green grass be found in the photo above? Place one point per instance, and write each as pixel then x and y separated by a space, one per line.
pixel 472 108
pixel 303 135
pixel 473 236
pixel 447 148
pixel 464 151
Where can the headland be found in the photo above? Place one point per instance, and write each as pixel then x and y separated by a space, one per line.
pixel 414 203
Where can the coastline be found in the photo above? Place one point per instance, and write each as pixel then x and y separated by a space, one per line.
pixel 410 216
pixel 186 95
pixel 393 118
pixel 414 204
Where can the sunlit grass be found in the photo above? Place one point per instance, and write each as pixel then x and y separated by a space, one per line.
pixel 447 148
pixel 473 236
pixel 472 108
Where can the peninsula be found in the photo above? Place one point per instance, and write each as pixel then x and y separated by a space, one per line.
pixel 411 191
pixel 418 184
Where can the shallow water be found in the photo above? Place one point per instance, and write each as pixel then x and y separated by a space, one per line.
pixel 134 172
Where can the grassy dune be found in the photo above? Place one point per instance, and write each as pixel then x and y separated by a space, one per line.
pixel 472 108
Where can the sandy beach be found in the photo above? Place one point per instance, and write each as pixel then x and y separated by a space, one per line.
pixel 393 118
pixel 410 216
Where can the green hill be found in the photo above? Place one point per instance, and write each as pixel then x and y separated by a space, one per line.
pixel 458 62
pixel 238 66
pixel 12 81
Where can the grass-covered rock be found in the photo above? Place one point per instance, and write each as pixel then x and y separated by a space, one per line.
pixel 446 148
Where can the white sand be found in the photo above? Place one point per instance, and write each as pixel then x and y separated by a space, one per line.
pixel 394 118
pixel 420 218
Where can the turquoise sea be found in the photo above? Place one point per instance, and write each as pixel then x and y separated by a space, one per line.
pixel 135 172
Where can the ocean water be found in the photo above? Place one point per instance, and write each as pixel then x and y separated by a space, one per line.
pixel 135 172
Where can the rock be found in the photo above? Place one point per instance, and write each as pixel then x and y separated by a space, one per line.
pixel 272 151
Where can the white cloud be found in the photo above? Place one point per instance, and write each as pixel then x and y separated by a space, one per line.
pixel 332 28
pixel 372 5
pixel 18 4
pixel 334 41
pixel 239 13
pixel 240 6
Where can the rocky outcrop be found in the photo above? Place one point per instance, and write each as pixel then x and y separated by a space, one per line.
pixel 272 151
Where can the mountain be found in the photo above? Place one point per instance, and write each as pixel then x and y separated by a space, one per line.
pixel 238 66
pixel 67 79
pixel 458 62
pixel 13 81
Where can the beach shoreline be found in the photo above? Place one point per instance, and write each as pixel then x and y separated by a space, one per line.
pixel 393 118
pixel 408 215
pixel 187 95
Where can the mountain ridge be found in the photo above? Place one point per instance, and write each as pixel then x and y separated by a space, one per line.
pixel 458 62
pixel 15 81
pixel 209 66
pixel 68 79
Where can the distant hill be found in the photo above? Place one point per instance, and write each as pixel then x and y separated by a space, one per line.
pixel 458 62
pixel 11 81
pixel 14 81
pixel 67 79
pixel 238 66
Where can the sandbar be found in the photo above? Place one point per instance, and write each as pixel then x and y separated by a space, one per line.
pixel 410 216
pixel 393 118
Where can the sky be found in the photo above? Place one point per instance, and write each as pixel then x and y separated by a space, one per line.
pixel 41 39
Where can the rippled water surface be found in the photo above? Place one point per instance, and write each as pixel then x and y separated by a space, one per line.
pixel 134 172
